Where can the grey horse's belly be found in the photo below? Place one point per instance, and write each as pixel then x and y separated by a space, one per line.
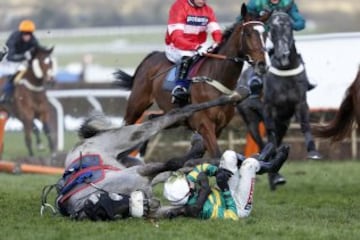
pixel 124 182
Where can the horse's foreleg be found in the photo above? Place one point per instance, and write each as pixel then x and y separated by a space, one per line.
pixel 270 126
pixel 27 134
pixel 36 132
pixel 49 137
pixel 303 113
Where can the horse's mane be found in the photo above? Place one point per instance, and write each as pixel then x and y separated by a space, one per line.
pixel 96 123
pixel 227 33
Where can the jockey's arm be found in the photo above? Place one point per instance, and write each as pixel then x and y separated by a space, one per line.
pixel 181 42
pixel 203 192
pixel 298 21
pixel 12 55
pixel 213 28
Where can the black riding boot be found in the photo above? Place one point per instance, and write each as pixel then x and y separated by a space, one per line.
pixel 180 92
pixel 309 86
pixel 274 165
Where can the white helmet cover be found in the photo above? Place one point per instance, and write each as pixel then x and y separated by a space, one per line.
pixel 137 204
pixel 176 189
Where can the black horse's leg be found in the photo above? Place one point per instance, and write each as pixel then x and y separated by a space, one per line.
pixel 270 125
pixel 303 114
pixel 273 137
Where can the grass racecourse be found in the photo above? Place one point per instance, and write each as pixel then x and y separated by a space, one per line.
pixel 320 201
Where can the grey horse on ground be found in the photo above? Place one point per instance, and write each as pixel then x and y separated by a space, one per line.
pixel 96 163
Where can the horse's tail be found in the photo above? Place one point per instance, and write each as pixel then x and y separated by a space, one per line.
pixel 126 81
pixel 123 80
pixel 96 123
pixel 341 125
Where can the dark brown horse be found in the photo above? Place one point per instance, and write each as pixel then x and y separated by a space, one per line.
pixel 29 101
pixel 345 117
pixel 243 41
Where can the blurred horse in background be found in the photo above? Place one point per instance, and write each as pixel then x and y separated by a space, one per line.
pixel 345 117
pixel 29 100
pixel 244 41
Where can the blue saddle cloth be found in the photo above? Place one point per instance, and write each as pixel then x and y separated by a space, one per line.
pixel 170 79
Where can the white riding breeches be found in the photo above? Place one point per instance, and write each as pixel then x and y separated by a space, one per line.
pixel 174 54
pixel 10 68
pixel 242 182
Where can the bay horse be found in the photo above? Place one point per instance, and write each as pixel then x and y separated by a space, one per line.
pixel 284 92
pixel 29 99
pixel 96 156
pixel 244 41
pixel 347 114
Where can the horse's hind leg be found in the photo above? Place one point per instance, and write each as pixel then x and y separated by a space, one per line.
pixel 303 114
pixel 49 137
pixel 140 99
pixel 207 131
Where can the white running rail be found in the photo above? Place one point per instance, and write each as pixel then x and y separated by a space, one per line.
pixel 90 94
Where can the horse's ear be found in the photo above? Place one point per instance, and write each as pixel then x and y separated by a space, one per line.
pixel 244 11
pixel 50 50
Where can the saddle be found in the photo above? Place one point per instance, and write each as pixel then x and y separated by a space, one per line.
pixel 81 174
pixel 171 76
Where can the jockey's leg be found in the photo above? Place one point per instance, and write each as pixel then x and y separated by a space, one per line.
pixel 180 92
pixel 8 89
pixel 309 86
pixel 241 183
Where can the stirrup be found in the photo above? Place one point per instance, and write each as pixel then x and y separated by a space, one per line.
pixel 179 94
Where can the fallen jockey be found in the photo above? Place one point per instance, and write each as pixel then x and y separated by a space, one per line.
pixel 232 198
pixel 96 183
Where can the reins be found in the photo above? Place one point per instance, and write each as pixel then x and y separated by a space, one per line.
pixel 224 57
pixel 209 55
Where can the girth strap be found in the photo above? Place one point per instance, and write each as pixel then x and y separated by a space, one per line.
pixel 216 84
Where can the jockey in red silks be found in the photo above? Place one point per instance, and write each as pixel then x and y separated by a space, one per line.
pixel 188 24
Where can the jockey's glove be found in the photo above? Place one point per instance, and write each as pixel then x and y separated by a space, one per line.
pixel 222 177
pixel 201 50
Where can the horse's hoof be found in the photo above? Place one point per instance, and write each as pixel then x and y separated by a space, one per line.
pixel 314 155
pixel 276 179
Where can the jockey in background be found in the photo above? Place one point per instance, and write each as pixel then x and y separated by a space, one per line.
pixel 188 24
pixel 235 178
pixel 263 7
pixel 19 45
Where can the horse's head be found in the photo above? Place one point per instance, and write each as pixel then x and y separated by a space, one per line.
pixel 282 37
pixel 251 40
pixel 42 64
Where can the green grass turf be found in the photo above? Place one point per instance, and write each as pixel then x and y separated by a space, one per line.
pixel 320 201
pixel 14 145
